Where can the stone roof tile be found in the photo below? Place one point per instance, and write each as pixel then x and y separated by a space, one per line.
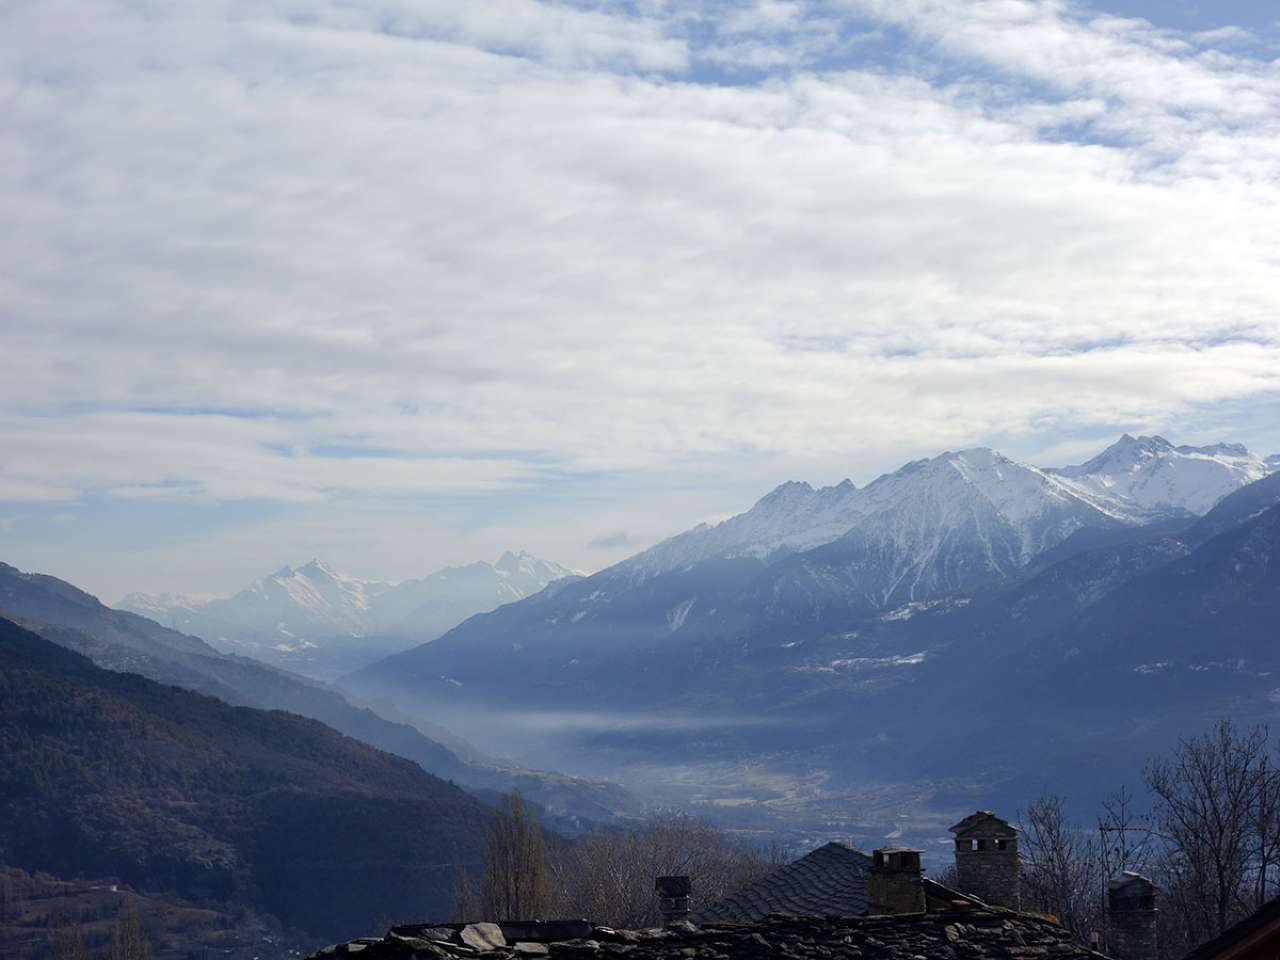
pixel 830 881
pixel 960 933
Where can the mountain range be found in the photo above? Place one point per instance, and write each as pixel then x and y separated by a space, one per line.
pixel 824 662
pixel 316 621
pixel 126 642
pixel 805 634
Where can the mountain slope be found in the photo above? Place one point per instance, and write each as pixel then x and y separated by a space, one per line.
pixel 956 523
pixel 951 525
pixel 119 640
pixel 1217 608
pixel 316 621
pixel 112 774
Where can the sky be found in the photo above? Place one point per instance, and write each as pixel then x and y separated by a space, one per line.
pixel 407 283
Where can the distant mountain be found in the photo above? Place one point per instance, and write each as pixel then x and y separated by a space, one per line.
pixel 111 774
pixel 1024 511
pixel 1155 475
pixel 316 621
pixel 123 641
pixel 426 608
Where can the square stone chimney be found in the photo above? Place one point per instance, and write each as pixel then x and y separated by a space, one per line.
pixel 674 897
pixel 987 859
pixel 895 883
pixel 1131 917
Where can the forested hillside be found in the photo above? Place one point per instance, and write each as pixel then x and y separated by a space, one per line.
pixel 112 774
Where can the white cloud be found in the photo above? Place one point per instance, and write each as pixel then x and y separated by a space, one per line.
pixel 494 245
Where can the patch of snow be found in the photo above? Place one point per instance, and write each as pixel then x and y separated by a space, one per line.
pixel 678 614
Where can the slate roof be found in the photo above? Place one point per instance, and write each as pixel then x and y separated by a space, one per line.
pixel 1261 929
pixel 967 932
pixel 829 882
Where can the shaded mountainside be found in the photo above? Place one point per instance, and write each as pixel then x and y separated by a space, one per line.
pixel 118 640
pixel 1217 608
pixel 112 774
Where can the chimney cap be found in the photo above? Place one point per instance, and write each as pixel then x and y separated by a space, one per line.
pixel 1130 892
pixel 903 859
pixel 673 886
pixel 984 823
pixel 1129 878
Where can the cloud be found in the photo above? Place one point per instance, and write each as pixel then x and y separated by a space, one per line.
pixel 614 540
pixel 316 254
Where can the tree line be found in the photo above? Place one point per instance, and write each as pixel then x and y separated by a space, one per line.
pixel 1206 832
pixel 1205 829
pixel 607 876
pixel 128 939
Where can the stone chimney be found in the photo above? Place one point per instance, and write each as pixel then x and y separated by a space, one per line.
pixel 1131 917
pixel 674 897
pixel 987 859
pixel 895 884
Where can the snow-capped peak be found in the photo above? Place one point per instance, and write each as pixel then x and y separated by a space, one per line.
pixel 1133 481
pixel 1153 474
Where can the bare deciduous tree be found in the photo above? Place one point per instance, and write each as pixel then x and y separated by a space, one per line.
pixel 67 943
pixel 1062 866
pixel 516 883
pixel 128 941
pixel 1207 811
pixel 609 875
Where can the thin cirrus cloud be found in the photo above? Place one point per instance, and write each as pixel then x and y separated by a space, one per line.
pixel 496 246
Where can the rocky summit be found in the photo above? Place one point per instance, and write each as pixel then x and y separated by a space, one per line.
pixel 960 932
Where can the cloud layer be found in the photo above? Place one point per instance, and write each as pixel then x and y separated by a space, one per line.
pixel 323 252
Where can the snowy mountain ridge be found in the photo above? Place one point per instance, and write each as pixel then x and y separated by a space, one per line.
pixel 319 621
pixel 1134 481
pixel 1156 475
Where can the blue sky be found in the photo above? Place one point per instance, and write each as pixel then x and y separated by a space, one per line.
pixel 404 283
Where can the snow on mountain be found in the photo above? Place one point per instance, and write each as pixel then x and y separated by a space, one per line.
pixel 794 516
pixel 1155 475
pixel 428 607
pixel 1134 481
pixel 321 622
pixel 162 605
pixel 300 602
pixel 1033 508
pixel 950 525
